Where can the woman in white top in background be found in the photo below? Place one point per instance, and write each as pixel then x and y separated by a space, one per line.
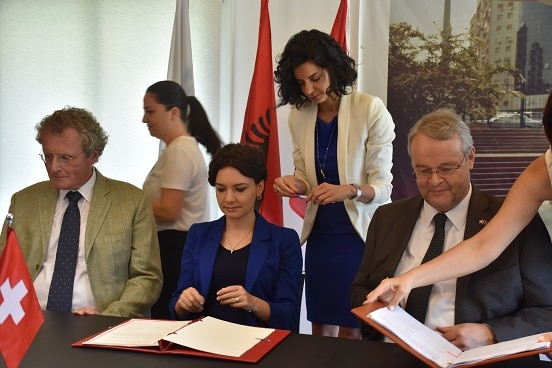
pixel 177 184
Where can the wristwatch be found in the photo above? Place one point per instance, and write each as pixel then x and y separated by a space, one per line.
pixel 358 191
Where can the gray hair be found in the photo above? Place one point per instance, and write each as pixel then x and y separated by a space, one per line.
pixel 442 124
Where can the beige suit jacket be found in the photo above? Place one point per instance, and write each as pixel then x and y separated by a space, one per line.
pixel 121 246
pixel 364 153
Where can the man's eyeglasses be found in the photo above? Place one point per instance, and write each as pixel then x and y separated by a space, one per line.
pixel 443 172
pixel 63 160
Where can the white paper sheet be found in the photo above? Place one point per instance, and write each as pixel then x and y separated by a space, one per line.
pixel 501 349
pixel 136 333
pixel 435 347
pixel 426 341
pixel 220 337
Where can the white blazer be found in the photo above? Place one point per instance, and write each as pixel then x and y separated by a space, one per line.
pixel 364 153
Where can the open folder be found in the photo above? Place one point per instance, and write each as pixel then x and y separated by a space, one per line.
pixel 433 349
pixel 206 337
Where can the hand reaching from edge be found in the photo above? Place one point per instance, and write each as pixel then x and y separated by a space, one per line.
pixel 391 291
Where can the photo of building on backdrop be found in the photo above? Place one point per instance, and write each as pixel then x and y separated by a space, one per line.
pixel 490 61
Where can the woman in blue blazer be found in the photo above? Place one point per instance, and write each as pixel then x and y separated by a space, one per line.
pixel 240 268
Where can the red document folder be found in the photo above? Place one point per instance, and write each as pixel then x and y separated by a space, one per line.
pixel 364 311
pixel 253 355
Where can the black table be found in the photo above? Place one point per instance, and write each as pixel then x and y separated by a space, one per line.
pixel 52 348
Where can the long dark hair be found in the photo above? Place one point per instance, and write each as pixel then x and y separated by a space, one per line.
pixel 171 94
pixel 324 51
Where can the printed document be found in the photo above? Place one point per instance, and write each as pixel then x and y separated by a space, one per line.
pixel 436 348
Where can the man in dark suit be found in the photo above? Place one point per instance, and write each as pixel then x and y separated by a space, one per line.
pixel 509 298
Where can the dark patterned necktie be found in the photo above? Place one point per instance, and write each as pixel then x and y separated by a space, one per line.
pixel 60 297
pixel 418 300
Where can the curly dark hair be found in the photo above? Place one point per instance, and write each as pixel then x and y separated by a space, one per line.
pixel 247 159
pixel 324 51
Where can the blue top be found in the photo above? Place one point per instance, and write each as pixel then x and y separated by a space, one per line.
pixel 274 269
pixel 331 218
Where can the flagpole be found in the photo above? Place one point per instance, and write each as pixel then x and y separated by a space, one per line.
pixel 9 219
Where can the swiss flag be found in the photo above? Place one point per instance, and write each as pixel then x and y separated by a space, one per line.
pixel 339 29
pixel 20 314
pixel 260 127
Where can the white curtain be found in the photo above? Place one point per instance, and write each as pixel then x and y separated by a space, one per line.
pixel 100 55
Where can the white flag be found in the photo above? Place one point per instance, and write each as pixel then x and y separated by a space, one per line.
pixel 180 59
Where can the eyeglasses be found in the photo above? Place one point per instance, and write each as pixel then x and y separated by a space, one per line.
pixel 63 160
pixel 443 172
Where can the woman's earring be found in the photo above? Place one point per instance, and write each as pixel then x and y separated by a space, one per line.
pixel 259 197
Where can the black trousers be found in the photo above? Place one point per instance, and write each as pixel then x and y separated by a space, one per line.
pixel 171 246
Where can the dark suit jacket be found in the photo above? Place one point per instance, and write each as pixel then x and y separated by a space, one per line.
pixel 512 295
pixel 274 269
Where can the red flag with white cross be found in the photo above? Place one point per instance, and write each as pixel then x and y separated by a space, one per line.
pixel 20 314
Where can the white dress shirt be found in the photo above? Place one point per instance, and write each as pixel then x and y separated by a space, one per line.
pixel 441 301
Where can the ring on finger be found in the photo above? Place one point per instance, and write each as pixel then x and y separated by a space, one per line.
pixel 237 299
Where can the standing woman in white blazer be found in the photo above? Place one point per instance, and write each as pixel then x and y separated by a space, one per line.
pixel 342 151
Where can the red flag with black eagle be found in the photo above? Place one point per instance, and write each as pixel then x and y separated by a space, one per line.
pixel 260 127
pixel 20 314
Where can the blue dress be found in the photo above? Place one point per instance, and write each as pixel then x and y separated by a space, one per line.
pixel 334 249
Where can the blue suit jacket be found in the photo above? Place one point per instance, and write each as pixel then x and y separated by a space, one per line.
pixel 274 268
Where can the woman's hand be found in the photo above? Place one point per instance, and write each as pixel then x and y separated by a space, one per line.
pixel 327 193
pixel 390 291
pixel 190 300
pixel 235 296
pixel 285 186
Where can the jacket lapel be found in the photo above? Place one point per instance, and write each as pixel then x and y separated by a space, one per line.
pixel 479 209
pixel 343 124
pixel 408 222
pixel 46 210
pixel 310 126
pixel 101 202
pixel 258 252
pixel 209 254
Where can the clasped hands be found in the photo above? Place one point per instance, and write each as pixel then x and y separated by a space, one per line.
pixel 85 311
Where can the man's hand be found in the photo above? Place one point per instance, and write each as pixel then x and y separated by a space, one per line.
pixel 468 335
pixel 547 337
pixel 85 311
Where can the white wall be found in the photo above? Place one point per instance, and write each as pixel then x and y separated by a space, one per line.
pixel 100 55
